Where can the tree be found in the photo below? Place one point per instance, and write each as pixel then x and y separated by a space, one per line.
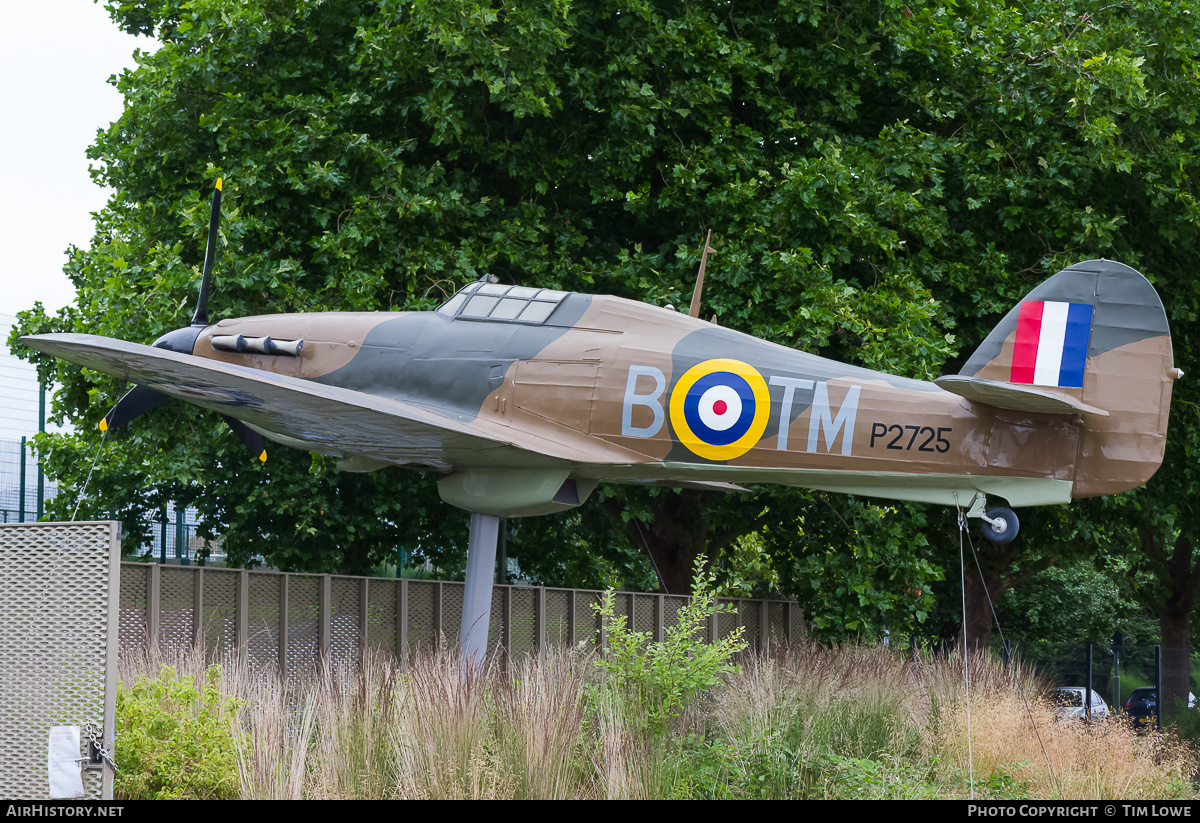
pixel 377 155
pixel 882 182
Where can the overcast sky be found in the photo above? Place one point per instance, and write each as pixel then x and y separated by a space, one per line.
pixel 55 57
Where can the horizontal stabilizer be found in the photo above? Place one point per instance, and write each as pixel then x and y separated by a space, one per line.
pixel 1014 396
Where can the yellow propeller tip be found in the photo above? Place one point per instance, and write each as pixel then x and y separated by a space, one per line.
pixel 103 424
pixel 263 457
pixel 219 179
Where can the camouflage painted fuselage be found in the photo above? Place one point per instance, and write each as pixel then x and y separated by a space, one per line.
pixel 516 396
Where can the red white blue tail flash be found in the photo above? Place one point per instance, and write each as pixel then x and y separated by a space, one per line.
pixel 1052 343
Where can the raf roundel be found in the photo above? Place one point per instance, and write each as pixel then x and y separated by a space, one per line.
pixel 719 408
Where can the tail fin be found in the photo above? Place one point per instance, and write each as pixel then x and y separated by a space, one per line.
pixel 1092 340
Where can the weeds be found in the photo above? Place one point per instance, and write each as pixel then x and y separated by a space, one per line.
pixel 177 740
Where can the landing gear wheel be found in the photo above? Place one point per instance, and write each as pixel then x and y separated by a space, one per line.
pixel 1004 529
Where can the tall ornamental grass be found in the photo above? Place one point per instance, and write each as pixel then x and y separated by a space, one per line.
pixel 809 722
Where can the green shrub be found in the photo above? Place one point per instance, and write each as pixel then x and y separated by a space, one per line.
pixel 174 741
pixel 662 678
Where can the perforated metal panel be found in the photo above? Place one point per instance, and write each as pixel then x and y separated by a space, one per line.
pixel 135 606
pixel 796 623
pixel 495 615
pixel 327 613
pixel 587 622
pixel 672 603
pixel 750 616
pixel 344 615
pixel 303 638
pixel 523 633
pixel 218 599
pixel 777 633
pixel 177 628
pixel 262 624
pixel 558 618
pixel 726 624
pixel 642 619
pixel 381 614
pixel 59 617
pixel 452 606
pixel 421 602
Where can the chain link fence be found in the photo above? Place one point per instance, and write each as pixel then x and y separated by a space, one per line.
pixel 23 491
pixel 1127 678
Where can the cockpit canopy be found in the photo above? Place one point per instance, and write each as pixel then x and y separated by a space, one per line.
pixel 497 301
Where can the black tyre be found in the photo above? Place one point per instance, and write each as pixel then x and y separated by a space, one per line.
pixel 1003 531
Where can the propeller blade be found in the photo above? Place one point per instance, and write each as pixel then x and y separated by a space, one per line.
pixel 200 318
pixel 136 402
pixel 251 439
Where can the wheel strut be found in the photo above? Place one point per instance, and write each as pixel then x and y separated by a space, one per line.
pixel 1000 524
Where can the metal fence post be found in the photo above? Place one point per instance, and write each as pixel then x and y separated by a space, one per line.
pixel 1087 708
pixel 283 625
pixel 41 486
pixel 364 615
pixel 402 620
pixel 154 606
pixel 198 606
pixel 539 621
pixel 505 621
pixel 21 505
pixel 324 607
pixel 437 612
pixel 241 614
pixel 764 627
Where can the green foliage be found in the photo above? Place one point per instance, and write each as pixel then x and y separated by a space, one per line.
pixel 1000 785
pixel 725 771
pixel 175 741
pixel 880 778
pixel 662 678
pixel 883 181
pixel 858 569
pixel 1074 602
pixel 1184 724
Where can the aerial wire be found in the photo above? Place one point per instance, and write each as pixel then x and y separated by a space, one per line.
pixel 995 619
pixel 962 566
pixel 83 491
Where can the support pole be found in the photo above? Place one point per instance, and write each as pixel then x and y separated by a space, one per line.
pixel 477 597
pixel 41 482
pixel 21 505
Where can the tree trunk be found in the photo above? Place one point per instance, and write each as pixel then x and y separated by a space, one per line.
pixel 674 537
pixel 1179 580
pixel 997 564
pixel 1176 659
pixel 979 621
pixel 676 532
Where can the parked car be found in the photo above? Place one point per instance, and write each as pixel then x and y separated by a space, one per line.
pixel 1142 702
pixel 1069 700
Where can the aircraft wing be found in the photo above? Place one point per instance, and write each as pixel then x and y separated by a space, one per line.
pixel 318 417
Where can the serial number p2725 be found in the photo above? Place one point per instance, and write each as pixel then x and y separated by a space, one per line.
pixel 904 438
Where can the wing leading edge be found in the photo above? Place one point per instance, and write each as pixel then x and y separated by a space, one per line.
pixel 326 419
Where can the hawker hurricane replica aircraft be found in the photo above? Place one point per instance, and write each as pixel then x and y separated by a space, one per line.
pixel 525 398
